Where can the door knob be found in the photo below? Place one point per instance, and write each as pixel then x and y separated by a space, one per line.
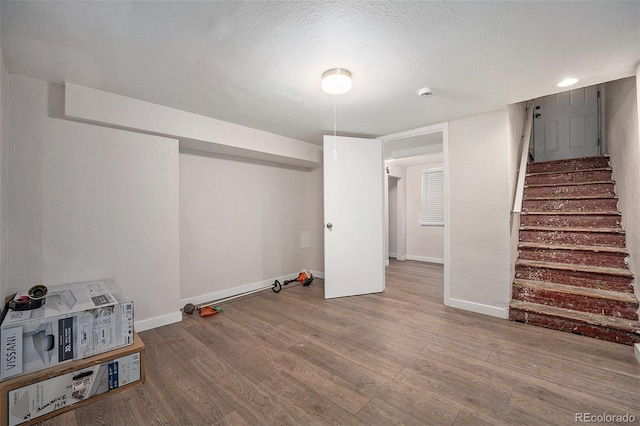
pixel 329 226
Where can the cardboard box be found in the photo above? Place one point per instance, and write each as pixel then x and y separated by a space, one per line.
pixel 77 321
pixel 37 396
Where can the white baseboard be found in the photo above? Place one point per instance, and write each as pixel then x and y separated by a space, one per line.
pixel 150 323
pixel 216 295
pixel 479 308
pixel 234 291
pixel 425 259
pixel 386 262
pixel 404 257
pixel 394 255
pixel 318 274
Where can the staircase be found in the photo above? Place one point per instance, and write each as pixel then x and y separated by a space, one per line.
pixel 571 273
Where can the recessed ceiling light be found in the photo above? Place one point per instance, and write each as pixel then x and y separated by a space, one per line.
pixel 336 81
pixel 566 82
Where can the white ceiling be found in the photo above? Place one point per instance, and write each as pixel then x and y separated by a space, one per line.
pixel 259 63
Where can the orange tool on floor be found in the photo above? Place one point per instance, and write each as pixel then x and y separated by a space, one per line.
pixel 207 311
pixel 203 311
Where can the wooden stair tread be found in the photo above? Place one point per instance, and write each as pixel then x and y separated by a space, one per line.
pixel 570 197
pixel 574 160
pixel 542 185
pixel 577 268
pixel 618 296
pixel 577 247
pixel 567 213
pixel 594 169
pixel 565 227
pixel 589 318
pixel 568 229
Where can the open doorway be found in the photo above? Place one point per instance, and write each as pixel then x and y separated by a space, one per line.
pixel 408 156
pixel 410 237
pixel 393 216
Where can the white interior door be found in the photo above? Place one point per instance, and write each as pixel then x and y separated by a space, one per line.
pixel 566 125
pixel 353 214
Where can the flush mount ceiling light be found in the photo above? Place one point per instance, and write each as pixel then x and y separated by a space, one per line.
pixel 336 81
pixel 425 92
pixel 566 82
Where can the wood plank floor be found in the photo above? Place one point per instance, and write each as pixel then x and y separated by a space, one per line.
pixel 399 357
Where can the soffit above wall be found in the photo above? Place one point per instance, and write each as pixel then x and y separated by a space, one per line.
pixel 194 131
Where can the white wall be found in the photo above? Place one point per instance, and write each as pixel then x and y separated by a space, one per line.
pixel 3 173
pixel 90 202
pixel 393 216
pixel 240 224
pixel 314 255
pixel 623 141
pixel 424 243
pixel 517 116
pixel 479 243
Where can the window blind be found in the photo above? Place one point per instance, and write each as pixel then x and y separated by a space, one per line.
pixel 432 202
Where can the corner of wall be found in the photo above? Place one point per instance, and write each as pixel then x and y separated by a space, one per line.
pixel 622 118
pixel 88 202
pixel 3 174
pixel 637 287
pixel 517 118
pixel 314 259
pixel 479 211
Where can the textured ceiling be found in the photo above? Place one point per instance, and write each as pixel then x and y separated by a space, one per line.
pixel 259 63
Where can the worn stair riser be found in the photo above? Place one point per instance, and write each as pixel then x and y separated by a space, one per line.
pixel 571 221
pixel 577 302
pixel 575 278
pixel 575 164
pixel 588 205
pixel 569 237
pixel 576 327
pixel 575 257
pixel 603 190
pixel 591 176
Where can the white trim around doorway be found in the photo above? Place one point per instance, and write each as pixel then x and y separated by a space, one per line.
pixel 444 128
